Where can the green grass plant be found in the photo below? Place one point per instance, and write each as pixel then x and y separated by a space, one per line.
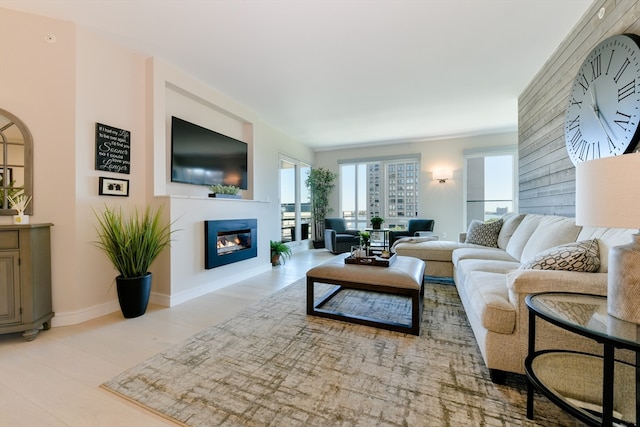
pixel 132 242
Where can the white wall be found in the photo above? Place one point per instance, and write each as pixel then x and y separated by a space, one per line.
pixel 110 90
pixel 174 92
pixel 60 91
pixel 441 202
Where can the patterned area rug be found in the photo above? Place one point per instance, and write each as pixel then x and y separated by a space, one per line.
pixel 272 365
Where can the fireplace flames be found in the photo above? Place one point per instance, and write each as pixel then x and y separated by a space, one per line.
pixel 229 244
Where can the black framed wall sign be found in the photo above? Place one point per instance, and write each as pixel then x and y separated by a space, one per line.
pixel 113 187
pixel 113 149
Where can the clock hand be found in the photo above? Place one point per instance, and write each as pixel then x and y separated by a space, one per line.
pixel 593 99
pixel 597 114
pixel 596 111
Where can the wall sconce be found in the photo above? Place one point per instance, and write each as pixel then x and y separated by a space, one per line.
pixel 442 175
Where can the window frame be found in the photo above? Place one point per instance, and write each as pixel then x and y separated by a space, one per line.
pixel 507 150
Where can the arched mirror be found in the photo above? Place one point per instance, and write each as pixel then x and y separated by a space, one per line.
pixel 16 172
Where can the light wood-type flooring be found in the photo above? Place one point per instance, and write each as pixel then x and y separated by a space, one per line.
pixel 54 380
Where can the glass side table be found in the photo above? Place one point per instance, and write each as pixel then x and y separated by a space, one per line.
pixel 598 390
pixel 381 241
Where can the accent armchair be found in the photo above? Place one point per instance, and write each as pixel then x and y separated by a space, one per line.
pixel 413 227
pixel 337 238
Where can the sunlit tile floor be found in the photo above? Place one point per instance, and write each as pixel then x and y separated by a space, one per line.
pixel 54 380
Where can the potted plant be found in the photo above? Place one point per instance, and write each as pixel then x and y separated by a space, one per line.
pixel 376 222
pixel 365 238
pixel 320 183
pixel 132 242
pixel 224 191
pixel 279 252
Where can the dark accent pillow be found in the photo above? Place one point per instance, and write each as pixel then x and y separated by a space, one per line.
pixel 484 233
pixel 579 256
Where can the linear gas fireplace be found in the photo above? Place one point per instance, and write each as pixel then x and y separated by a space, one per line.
pixel 228 241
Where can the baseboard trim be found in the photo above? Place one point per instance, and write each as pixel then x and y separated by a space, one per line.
pixel 75 317
pixel 173 300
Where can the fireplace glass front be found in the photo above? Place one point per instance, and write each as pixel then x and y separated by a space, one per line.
pixel 228 241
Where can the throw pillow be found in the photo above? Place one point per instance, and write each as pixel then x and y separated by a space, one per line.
pixel 484 233
pixel 579 256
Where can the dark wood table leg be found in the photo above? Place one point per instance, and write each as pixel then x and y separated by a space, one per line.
pixel 607 385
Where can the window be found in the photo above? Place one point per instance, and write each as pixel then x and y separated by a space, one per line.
pixel 295 206
pixel 490 183
pixel 387 188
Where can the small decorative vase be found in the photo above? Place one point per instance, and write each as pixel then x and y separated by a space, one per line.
pixel 376 226
pixel 21 219
pixel 358 251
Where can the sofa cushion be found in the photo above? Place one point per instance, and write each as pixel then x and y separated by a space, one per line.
pixel 432 250
pixel 522 234
pixel 579 256
pixel 482 253
pixel 607 238
pixel 489 297
pixel 465 266
pixel 552 231
pixel 510 223
pixel 484 233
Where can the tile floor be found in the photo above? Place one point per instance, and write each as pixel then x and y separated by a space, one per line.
pixel 54 380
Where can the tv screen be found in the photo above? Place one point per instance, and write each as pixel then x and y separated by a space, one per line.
pixel 201 156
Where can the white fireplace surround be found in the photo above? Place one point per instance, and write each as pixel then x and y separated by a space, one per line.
pixel 182 274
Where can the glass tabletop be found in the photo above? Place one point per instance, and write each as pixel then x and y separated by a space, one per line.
pixel 585 314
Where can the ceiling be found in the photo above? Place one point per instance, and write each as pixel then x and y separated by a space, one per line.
pixel 346 72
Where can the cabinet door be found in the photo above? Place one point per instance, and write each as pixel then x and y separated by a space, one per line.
pixel 9 288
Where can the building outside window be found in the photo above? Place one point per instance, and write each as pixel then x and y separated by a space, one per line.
pixel 387 188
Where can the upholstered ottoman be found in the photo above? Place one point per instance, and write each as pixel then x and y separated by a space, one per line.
pixel 404 277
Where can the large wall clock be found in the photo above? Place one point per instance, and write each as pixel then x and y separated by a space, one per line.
pixel 604 105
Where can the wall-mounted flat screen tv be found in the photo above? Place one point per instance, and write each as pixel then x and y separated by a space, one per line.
pixel 202 156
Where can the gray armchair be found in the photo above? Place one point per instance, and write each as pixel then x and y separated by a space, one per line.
pixel 413 227
pixel 336 236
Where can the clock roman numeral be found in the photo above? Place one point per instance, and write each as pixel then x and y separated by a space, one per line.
pixel 609 64
pixel 595 153
pixel 589 151
pixel 574 123
pixel 622 120
pixel 576 139
pixel 623 67
pixel 595 68
pixel 626 90
pixel 585 85
pixel 612 146
pixel 572 101
pixel 583 149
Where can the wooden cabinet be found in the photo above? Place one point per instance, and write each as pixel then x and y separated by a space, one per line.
pixel 25 279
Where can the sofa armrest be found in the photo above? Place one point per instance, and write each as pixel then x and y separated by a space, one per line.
pixel 352 232
pixel 394 235
pixel 330 239
pixel 531 281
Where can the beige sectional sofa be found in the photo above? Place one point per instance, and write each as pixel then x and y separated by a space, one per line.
pixel 493 281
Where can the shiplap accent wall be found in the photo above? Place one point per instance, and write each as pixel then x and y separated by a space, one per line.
pixel 546 174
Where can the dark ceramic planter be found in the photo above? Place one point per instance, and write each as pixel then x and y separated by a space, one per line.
pixel 133 295
pixel 318 244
